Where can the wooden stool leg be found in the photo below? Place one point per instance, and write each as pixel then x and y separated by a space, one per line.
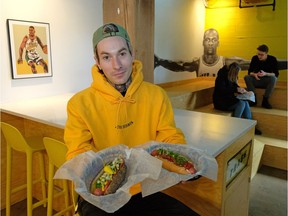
pixel 8 180
pixel 29 183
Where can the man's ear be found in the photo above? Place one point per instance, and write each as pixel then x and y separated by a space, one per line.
pixel 99 67
pixel 97 63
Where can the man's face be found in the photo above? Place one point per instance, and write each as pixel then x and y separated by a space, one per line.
pixel 210 43
pixel 115 59
pixel 31 31
pixel 262 56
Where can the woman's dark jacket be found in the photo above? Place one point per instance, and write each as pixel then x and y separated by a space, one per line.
pixel 223 95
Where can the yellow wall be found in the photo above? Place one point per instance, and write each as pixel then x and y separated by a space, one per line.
pixel 241 30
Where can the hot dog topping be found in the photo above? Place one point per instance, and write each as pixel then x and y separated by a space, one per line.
pixel 109 171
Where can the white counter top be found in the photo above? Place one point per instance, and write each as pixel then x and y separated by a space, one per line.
pixel 47 110
pixel 211 133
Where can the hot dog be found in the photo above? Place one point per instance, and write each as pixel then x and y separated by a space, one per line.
pixel 109 179
pixel 174 162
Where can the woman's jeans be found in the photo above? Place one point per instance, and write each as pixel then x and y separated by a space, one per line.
pixel 241 109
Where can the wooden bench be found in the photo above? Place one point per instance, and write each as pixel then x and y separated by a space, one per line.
pixel 190 94
pixel 272 122
pixel 269 152
pixel 196 93
pixel 274 152
pixel 278 98
pixel 210 109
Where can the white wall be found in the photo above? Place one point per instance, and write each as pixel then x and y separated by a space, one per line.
pixel 179 28
pixel 72 23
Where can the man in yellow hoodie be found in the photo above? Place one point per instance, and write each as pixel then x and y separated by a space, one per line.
pixel 121 108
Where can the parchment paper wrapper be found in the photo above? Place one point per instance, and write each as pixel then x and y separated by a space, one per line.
pixel 83 168
pixel 205 165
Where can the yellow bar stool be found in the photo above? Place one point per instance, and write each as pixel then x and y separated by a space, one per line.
pixel 16 141
pixel 56 151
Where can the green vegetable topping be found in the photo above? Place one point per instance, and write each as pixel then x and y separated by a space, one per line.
pixel 179 159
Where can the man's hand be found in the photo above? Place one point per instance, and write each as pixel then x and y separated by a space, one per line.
pixel 256 76
pixel 261 73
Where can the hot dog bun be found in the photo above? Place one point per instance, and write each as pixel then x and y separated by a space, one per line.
pixel 170 166
pixel 173 161
pixel 117 181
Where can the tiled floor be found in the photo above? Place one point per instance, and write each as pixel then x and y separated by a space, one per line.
pixel 268 195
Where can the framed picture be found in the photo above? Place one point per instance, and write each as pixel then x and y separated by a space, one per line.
pixel 30 49
pixel 256 3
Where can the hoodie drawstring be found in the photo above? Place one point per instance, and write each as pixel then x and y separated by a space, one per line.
pixel 119 101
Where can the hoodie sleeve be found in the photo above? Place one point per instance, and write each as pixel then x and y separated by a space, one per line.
pixel 77 136
pixel 167 130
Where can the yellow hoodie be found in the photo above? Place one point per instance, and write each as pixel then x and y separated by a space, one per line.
pixel 100 117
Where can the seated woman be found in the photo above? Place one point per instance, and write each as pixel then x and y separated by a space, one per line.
pixel 226 91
